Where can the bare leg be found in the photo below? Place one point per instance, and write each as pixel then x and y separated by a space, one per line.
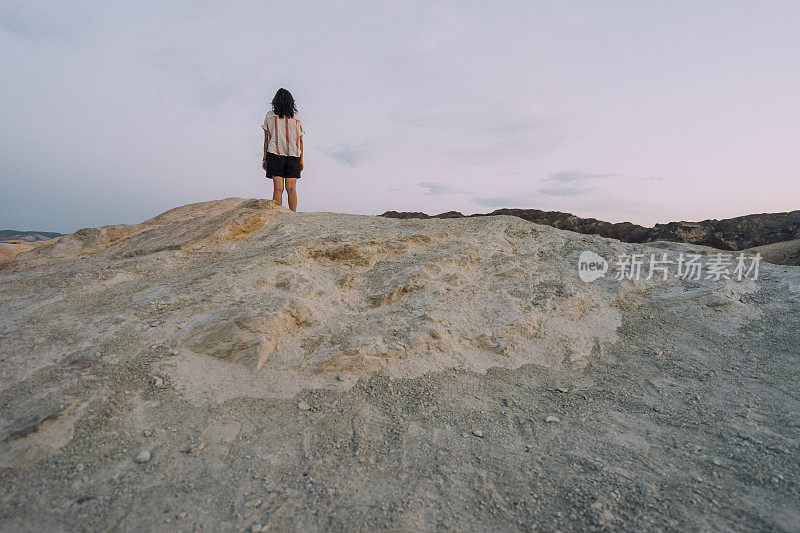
pixel 291 192
pixel 277 191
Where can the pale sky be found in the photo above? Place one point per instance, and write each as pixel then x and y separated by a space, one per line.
pixel 647 111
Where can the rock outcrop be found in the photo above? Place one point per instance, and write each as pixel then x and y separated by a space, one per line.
pixel 342 295
pixel 297 300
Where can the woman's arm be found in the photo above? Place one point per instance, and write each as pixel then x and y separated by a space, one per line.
pixel 301 153
pixel 266 144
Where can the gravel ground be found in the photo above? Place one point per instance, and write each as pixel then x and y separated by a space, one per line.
pixel 651 436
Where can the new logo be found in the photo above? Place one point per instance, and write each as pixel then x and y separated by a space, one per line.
pixel 591 266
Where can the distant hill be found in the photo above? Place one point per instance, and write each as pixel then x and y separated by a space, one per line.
pixel 727 234
pixel 28 236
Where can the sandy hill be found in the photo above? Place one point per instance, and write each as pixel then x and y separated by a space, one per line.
pixel 231 365
pixel 10 249
pixel 780 253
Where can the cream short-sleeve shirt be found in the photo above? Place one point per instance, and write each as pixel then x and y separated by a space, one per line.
pixel 287 139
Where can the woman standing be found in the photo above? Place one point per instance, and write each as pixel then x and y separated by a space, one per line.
pixel 283 147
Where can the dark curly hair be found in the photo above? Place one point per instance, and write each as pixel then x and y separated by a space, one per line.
pixel 283 104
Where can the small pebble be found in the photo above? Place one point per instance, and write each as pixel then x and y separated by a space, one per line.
pixel 552 420
pixel 303 406
pixel 478 433
pixel 143 456
pixel 196 447
pixel 147 432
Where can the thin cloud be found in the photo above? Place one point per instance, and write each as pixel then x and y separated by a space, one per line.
pixel 496 201
pixel 565 192
pixel 576 176
pixel 512 175
pixel 437 188
pixel 574 183
pixel 349 156
pixel 457 131
pixel 49 24
pixel 571 183
pixel 206 79
pixel 505 137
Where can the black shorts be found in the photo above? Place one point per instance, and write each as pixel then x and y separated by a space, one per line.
pixel 284 166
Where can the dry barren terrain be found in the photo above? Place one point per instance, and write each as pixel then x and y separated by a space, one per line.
pixel 234 366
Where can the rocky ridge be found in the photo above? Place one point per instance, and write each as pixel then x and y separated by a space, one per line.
pixel 738 233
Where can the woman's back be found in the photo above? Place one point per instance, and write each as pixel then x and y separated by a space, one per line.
pixel 284 134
